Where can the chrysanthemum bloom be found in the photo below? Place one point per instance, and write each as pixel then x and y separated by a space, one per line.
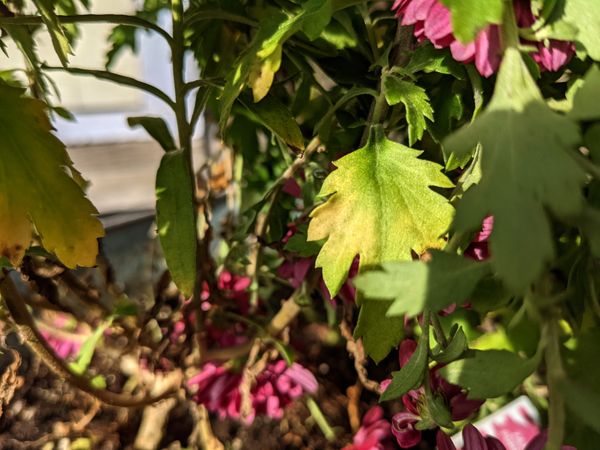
pixel 432 22
pixel 218 388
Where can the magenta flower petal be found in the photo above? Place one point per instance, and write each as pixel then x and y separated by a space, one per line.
pixel 438 28
pixel 488 51
pixel 555 56
pixel 404 431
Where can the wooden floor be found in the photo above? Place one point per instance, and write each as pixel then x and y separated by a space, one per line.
pixel 121 176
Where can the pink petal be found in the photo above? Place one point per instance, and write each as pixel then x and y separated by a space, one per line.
pixel 417 10
pixel 438 28
pixel 461 52
pixel 488 51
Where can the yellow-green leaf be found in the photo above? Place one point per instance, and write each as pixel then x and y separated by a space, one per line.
pixel 380 208
pixel 37 186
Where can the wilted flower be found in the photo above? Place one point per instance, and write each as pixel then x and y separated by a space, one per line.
pixel 218 388
pixel 374 432
pixel 432 21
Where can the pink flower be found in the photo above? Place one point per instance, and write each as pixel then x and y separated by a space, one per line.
pixel 374 432
pixel 479 249
pixel 403 429
pixel 64 335
pixel 432 22
pixel 217 387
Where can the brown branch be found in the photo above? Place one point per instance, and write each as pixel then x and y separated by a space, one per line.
pixel 355 348
pixel 26 327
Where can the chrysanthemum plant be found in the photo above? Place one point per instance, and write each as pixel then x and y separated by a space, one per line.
pixel 425 170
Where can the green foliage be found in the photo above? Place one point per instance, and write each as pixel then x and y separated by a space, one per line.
pixel 45 192
pixel 471 16
pixel 490 373
pixel 57 33
pixel 157 128
pixel 411 375
pixel 380 207
pixel 415 100
pixel 379 332
pixel 257 66
pixel 514 188
pixel 175 218
pixel 415 285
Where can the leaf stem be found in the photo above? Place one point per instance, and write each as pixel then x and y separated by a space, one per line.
pixel 320 419
pixel 116 78
pixel 119 19
pixel 555 376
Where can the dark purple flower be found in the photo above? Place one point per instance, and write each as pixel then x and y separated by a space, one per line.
pixel 472 438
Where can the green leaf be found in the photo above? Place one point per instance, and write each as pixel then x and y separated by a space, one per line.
pixel 257 66
pixel 411 375
pixel 61 44
pixel 38 187
pixel 471 16
pixel 380 207
pixel 175 217
pixel 157 128
pixel 415 100
pixel 86 352
pixel 585 16
pixel 515 188
pixel 426 58
pixel 379 333
pixel 583 402
pixel 457 346
pixel 491 373
pixel 437 410
pixel 586 99
pixel 277 117
pixel 416 285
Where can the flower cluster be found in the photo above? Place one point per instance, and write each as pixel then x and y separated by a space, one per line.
pixel 374 432
pixel 432 21
pixel 404 423
pixel 218 388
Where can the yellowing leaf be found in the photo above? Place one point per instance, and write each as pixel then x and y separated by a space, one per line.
pixel 256 67
pixel 263 72
pixel 380 208
pixel 36 185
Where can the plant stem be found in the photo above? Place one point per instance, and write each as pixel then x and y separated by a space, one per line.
pixel 555 376
pixel 119 19
pixel 183 127
pixel 320 419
